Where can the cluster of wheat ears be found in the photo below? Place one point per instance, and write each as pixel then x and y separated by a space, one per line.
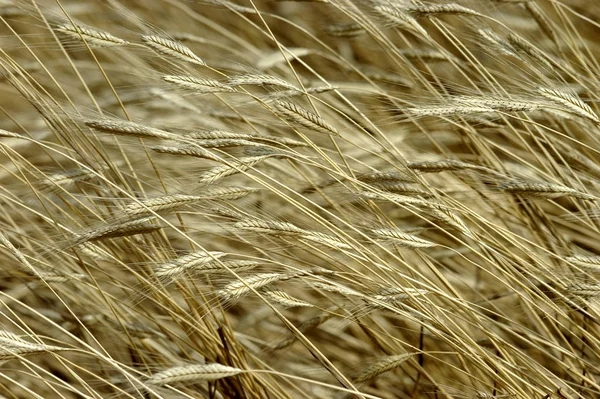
pixel 321 199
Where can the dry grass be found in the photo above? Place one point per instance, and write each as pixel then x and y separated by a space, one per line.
pixel 301 199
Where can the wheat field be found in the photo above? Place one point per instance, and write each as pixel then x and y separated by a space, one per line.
pixel 299 199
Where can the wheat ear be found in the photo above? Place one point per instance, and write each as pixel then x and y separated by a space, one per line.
pixel 384 365
pixel 285 299
pixel 542 189
pixel 12 347
pixel 401 238
pixel 307 119
pixel 93 37
pixel 171 48
pixel 126 128
pixel 123 229
pixel 187 262
pixel 260 80
pixel 268 227
pixel 239 288
pixel 347 30
pixel 240 165
pixel 191 150
pixel 198 85
pixel 193 373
